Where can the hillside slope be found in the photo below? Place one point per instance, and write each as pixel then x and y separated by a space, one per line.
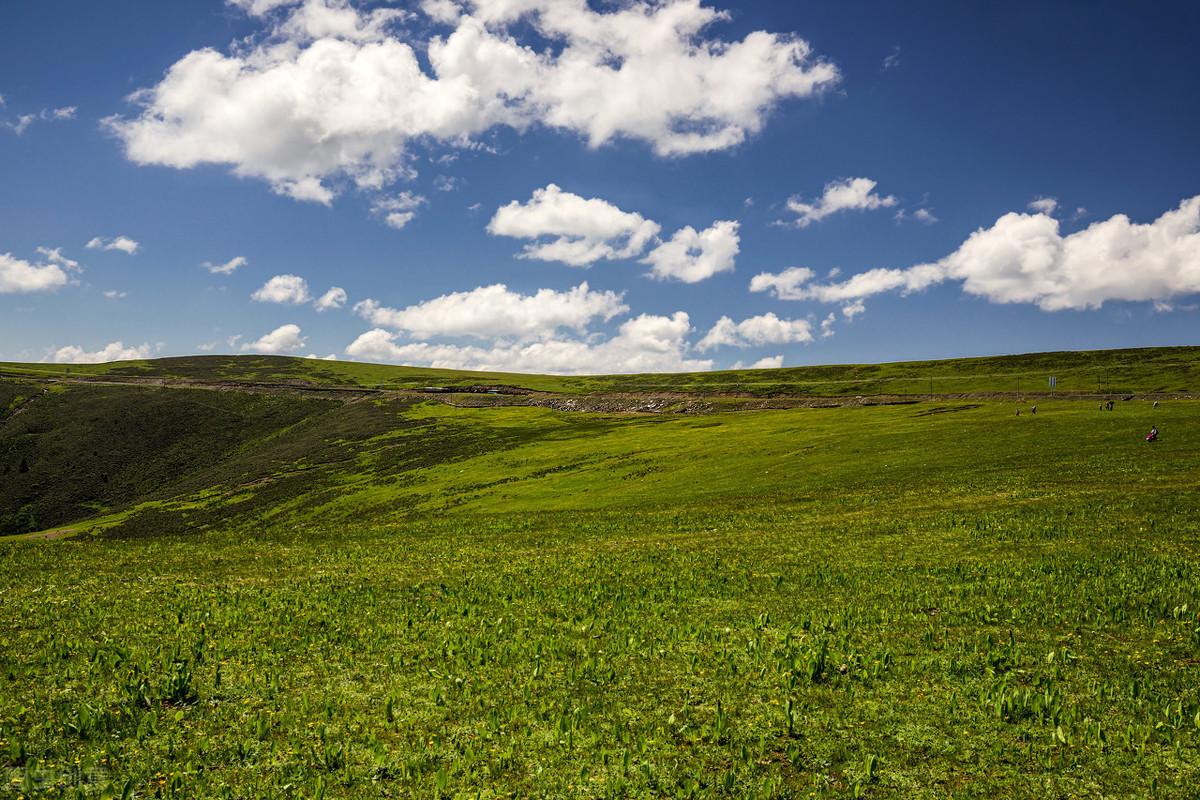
pixel 300 592
pixel 291 589
pixel 68 452
pixel 294 440
pixel 1142 370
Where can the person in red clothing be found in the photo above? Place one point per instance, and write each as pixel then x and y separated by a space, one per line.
pixel 1152 436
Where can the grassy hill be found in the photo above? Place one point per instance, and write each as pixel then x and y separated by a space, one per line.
pixel 1143 370
pixel 300 585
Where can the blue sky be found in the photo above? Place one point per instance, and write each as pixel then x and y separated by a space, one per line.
pixel 853 185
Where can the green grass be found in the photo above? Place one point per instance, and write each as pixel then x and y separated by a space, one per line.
pixel 89 449
pixel 1158 369
pixel 394 597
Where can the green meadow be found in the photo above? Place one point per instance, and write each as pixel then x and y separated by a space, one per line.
pixel 280 578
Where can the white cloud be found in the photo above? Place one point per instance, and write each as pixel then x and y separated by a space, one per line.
pixel 790 284
pixel 284 339
pixel 786 285
pixel 647 343
pixel 581 231
pixel 692 256
pixel 851 194
pixel 444 11
pixel 207 347
pixel 54 256
pixel 924 215
pixel 852 310
pixel 45 115
pixel 18 276
pixel 330 357
pixel 892 59
pixel 122 243
pixel 766 362
pixel 290 289
pixel 399 210
pixel 1023 258
pixel 258 8
pixel 307 189
pixel 495 312
pixel 756 331
pixel 827 324
pixel 1043 205
pixel 113 351
pixel 113 294
pixel 399 219
pixel 337 19
pixel 22 124
pixel 332 299
pixel 227 268
pixel 335 93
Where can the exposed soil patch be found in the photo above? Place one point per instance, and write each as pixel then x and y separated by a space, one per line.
pixel 947 409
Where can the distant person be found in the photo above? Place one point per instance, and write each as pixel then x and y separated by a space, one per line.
pixel 1152 436
pixel 1018 412
pixel 1033 410
pixel 1156 404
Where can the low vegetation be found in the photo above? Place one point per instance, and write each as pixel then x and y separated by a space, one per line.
pixel 296 594
pixel 1158 369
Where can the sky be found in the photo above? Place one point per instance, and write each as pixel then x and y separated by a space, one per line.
pixel 588 186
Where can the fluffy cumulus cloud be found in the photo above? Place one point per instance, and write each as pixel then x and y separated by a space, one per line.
pixel 827 324
pixel 691 256
pixel 123 244
pixel 399 210
pixel 852 310
pixel 282 340
pixel 330 93
pixel 648 343
pixel 332 299
pixel 766 362
pixel 546 331
pixel 1025 258
pixel 574 230
pixel 496 312
pixel 228 268
pixel 287 289
pixel 18 276
pixel 851 194
pixel 787 285
pixel 113 351
pixel 756 331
